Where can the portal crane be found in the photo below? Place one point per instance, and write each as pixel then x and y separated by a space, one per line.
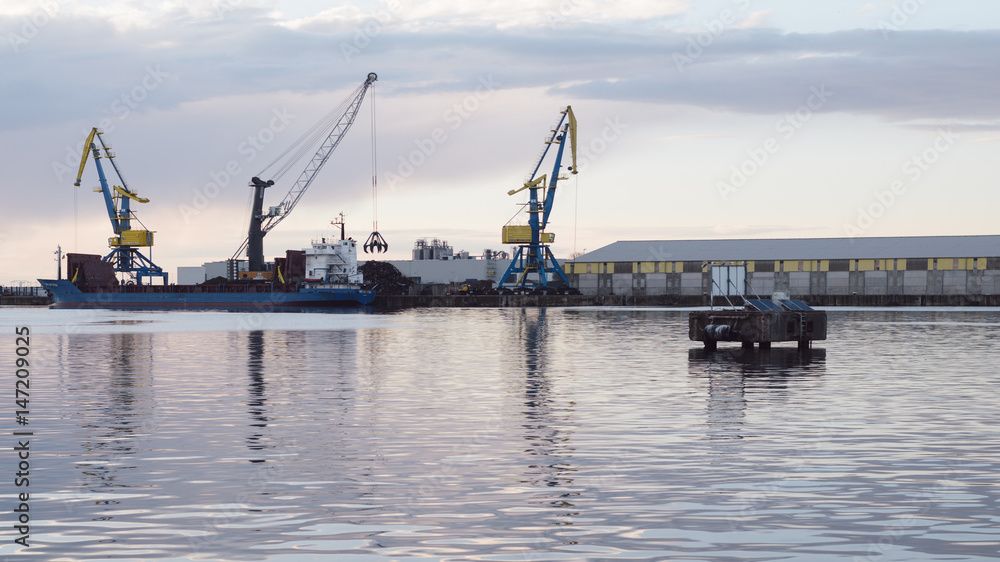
pixel 125 255
pixel 534 267
pixel 260 222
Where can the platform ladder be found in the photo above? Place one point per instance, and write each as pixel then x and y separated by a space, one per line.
pixel 803 336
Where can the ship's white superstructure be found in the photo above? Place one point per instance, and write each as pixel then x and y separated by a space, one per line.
pixel 333 261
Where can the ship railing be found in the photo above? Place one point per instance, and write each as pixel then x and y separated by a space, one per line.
pixel 330 286
pixel 203 288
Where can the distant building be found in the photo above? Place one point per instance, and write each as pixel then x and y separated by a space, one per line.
pixel 192 275
pixel 436 262
pixel 433 250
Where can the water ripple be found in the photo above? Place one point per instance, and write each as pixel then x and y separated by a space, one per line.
pixel 483 434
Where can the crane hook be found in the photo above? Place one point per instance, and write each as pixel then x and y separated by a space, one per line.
pixel 376 244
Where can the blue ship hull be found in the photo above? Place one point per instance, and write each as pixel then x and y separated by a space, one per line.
pixel 66 295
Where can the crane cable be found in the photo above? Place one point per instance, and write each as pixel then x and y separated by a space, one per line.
pixel 517 213
pixel 308 141
pixel 375 242
pixel 374 169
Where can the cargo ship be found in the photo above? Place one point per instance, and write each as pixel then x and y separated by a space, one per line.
pixel 325 275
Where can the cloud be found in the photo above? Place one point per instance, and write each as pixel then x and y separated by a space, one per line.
pixel 205 51
pixel 918 74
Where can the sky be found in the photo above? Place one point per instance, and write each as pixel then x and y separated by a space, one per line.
pixel 709 119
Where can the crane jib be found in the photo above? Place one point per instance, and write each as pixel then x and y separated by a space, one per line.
pixel 261 224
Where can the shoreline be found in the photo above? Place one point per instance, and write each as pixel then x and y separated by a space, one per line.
pixel 398 302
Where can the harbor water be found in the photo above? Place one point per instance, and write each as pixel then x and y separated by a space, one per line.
pixel 502 434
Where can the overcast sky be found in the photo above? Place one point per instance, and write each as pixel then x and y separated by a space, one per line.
pixel 709 119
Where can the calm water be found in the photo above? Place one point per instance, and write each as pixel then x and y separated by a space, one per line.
pixel 559 434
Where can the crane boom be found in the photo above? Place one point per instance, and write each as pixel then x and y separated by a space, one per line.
pixel 260 223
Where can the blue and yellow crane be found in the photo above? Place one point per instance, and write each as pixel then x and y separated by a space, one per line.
pixel 125 255
pixel 534 269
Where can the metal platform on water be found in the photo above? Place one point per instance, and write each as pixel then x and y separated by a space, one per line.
pixel 753 320
pixel 762 327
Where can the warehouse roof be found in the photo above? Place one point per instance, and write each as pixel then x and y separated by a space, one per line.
pixel 797 249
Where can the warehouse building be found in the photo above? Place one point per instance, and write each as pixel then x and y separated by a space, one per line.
pixel 918 266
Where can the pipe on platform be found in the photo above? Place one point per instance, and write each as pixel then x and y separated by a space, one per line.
pixel 719 332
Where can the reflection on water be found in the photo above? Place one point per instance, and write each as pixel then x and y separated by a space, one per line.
pixel 730 370
pixel 542 421
pixel 776 362
pixel 116 401
pixel 256 390
pixel 546 424
pixel 533 434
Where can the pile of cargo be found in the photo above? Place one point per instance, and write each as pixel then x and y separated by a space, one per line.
pixel 384 278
